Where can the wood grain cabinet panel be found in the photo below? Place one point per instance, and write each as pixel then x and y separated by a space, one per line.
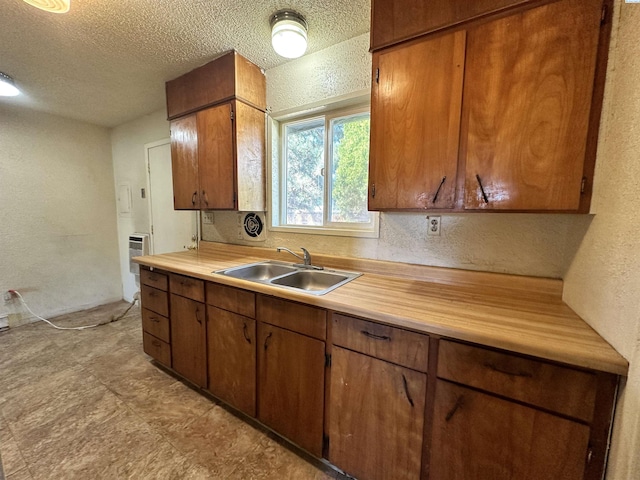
pixel 188 339
pixel 189 287
pixel 395 20
pixel 156 325
pixel 376 417
pixel 154 279
pixel 399 346
pixel 477 437
pixel 155 300
pixel 218 136
pixel 231 348
pixel 559 389
pixel 156 348
pixel 527 104
pixel 416 100
pixel 294 316
pixel 232 299
pixel 291 385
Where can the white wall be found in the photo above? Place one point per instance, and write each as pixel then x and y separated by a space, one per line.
pixel 129 167
pixel 57 215
pixel 540 245
pixel 603 282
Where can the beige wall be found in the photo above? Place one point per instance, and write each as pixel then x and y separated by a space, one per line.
pixel 129 168
pixel 57 214
pixel 540 245
pixel 603 282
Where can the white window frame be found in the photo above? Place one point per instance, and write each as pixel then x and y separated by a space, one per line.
pixel 277 190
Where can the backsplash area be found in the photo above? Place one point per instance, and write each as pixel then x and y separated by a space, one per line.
pixel 521 244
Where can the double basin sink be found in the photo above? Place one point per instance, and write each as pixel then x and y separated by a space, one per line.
pixel 290 276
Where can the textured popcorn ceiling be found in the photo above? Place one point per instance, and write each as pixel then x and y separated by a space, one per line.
pixel 106 61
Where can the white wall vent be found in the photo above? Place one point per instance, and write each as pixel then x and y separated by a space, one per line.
pixel 138 246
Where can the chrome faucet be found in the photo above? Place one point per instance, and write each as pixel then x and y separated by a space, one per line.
pixel 306 259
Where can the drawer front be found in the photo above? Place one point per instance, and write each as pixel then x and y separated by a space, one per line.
pixel 395 345
pixel 155 300
pixel 232 299
pixel 187 287
pixel 156 325
pixel 559 389
pixel 156 348
pixel 293 316
pixel 154 279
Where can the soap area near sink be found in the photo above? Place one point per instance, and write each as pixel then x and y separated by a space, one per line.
pixel 291 276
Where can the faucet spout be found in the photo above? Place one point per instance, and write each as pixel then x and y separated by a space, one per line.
pixel 306 257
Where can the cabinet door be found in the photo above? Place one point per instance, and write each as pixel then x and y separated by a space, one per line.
pixel 377 416
pixel 231 342
pixel 415 124
pixel 216 162
pixel 188 339
pixel 478 436
pixel 184 163
pixel 528 92
pixel 291 385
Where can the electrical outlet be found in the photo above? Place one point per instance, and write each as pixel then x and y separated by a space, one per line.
pixel 433 225
pixel 207 218
pixel 8 296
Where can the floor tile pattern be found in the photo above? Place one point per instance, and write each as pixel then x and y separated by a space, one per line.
pixel 90 405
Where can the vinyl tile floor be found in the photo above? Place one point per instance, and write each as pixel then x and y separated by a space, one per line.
pixel 90 404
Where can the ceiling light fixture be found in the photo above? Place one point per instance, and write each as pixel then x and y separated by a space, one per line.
pixel 288 33
pixel 7 87
pixel 53 6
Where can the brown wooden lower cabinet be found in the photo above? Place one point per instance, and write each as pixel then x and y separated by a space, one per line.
pixel 188 339
pixel 231 344
pixel 377 417
pixel 477 436
pixel 291 385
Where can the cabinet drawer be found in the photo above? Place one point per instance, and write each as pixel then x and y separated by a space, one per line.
pixel 187 287
pixel 154 279
pixel 293 316
pixel 156 325
pixel 155 300
pixel 232 299
pixel 405 348
pixel 559 389
pixel 156 348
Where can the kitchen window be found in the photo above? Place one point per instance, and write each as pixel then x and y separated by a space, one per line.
pixel 321 174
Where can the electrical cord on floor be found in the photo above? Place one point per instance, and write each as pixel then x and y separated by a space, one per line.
pixel 113 319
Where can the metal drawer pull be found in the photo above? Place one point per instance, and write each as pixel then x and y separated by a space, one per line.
pixel 154 319
pixel 491 366
pixel 193 197
pixel 244 332
pixel 459 403
pixel 435 197
pixel 374 336
pixel 156 343
pixel 198 317
pixel 406 389
pixel 266 340
pixel 484 195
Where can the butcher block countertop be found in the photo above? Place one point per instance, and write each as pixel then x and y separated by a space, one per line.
pixel 516 313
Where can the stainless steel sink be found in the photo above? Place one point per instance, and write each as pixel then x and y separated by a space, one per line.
pixel 290 276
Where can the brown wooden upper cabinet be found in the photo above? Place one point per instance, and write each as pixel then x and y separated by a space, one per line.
pixel 218 136
pixel 496 110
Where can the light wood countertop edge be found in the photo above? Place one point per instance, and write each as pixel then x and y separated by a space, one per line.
pixel 495 310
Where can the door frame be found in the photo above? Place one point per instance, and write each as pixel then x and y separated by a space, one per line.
pixel 147 147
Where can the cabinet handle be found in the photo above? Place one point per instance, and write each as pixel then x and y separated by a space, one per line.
pixel 373 190
pixel 155 343
pixel 206 199
pixel 244 332
pixel 491 366
pixel 406 389
pixel 198 316
pixel 435 197
pixel 154 319
pixel 374 336
pixel 266 340
pixel 589 455
pixel 194 197
pixel 484 195
pixel 152 293
pixel 459 403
